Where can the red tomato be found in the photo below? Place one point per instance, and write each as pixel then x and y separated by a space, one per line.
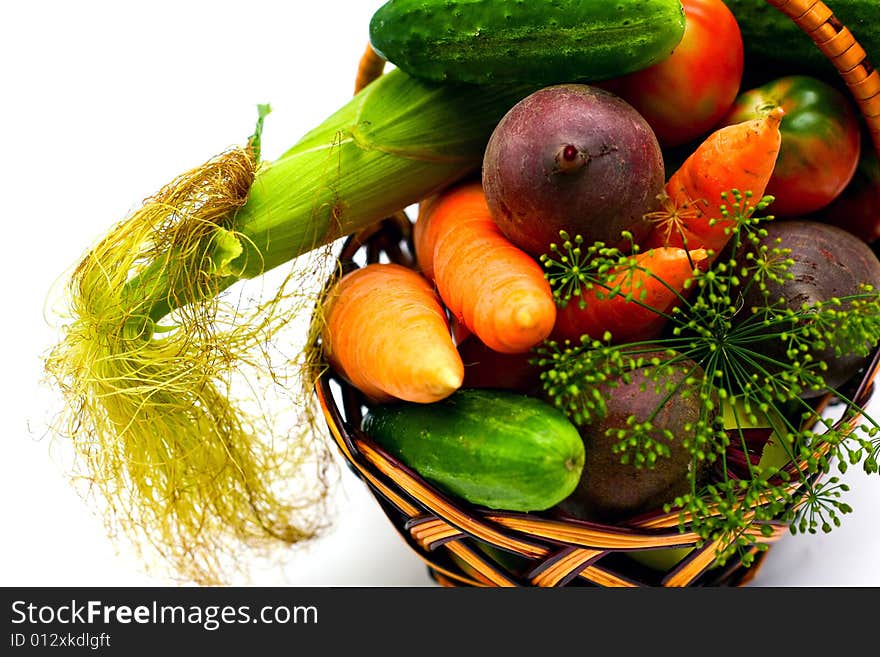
pixel 683 96
pixel 821 141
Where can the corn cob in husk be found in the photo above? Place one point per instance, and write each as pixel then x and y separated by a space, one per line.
pixel 151 349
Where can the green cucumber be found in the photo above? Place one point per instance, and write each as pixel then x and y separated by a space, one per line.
pixel 525 41
pixel 492 448
pixel 772 39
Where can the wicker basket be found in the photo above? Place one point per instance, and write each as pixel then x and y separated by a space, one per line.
pixel 467 546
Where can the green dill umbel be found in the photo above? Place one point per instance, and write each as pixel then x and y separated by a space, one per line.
pixel 761 362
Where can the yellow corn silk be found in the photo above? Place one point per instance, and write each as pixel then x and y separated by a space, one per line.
pixel 154 349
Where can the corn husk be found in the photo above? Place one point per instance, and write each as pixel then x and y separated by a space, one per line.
pixel 153 351
pixel 396 142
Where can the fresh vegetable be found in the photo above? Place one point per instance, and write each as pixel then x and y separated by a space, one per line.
pixel 631 301
pixel 615 483
pixel 821 141
pixel 740 156
pixel 493 41
pixel 683 96
pixel 774 43
pixel 150 345
pixel 154 355
pixel 750 430
pixel 762 439
pixel 857 209
pixel 825 263
pixel 494 288
pixel 662 559
pixel 574 158
pixel 487 368
pixel 712 330
pixel 493 448
pixel 386 332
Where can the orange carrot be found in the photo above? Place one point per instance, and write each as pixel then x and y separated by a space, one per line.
pixel 740 156
pixel 386 332
pixel 425 235
pixel 491 286
pixel 642 317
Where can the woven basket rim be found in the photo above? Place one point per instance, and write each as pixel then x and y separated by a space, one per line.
pixel 405 491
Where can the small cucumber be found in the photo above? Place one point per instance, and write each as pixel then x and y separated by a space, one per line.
pixel 492 448
pixel 525 41
pixel 772 39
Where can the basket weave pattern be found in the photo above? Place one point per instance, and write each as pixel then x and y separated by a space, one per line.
pixel 839 45
pixel 556 551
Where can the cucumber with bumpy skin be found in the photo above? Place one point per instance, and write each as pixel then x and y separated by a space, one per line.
pixel 525 41
pixel 492 448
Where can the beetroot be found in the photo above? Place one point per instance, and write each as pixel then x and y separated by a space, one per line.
pixel 610 490
pixel 576 158
pixel 829 262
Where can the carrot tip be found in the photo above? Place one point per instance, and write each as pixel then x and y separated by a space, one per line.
pixel 775 117
pixel 447 381
pixel 525 318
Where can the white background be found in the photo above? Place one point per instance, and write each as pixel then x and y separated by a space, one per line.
pixel 104 102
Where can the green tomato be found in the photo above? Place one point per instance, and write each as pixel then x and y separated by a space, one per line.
pixel 664 559
pixel 821 141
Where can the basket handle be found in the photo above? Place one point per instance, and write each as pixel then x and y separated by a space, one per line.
pixel 839 45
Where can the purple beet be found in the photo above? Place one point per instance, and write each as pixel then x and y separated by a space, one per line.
pixel 829 262
pixel 576 158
